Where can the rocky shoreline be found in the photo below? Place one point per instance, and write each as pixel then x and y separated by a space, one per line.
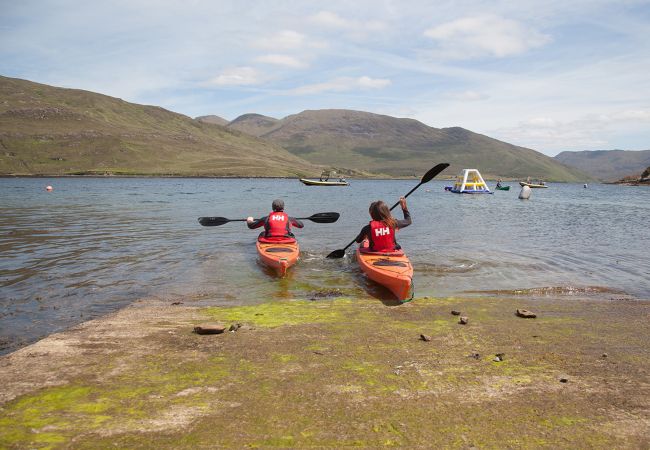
pixel 338 372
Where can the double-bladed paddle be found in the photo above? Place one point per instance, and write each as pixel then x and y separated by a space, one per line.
pixel 430 175
pixel 326 217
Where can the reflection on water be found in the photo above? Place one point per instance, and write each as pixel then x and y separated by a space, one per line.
pixel 95 244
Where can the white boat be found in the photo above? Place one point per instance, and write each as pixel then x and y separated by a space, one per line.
pixel 340 182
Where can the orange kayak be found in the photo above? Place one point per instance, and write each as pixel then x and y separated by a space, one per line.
pixel 392 270
pixel 278 255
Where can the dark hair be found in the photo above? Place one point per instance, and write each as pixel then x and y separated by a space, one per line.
pixel 379 211
pixel 278 205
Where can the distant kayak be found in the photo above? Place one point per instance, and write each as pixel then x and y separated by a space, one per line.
pixel 533 185
pixel 278 255
pixel 392 270
pixel 502 188
pixel 323 183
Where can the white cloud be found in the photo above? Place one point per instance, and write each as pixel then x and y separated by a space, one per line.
pixel 237 76
pixel 329 19
pixel 343 84
pixel 283 40
pixel 282 60
pixel 466 96
pixel 590 131
pixel 332 20
pixel 488 35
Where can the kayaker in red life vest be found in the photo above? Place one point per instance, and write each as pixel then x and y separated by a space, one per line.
pixel 277 225
pixel 380 232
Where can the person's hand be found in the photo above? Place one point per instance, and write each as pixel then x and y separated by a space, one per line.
pixel 250 219
pixel 402 202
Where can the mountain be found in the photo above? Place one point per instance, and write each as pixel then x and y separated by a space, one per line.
pixel 607 165
pixel 56 131
pixel 384 144
pixel 215 120
pixel 254 124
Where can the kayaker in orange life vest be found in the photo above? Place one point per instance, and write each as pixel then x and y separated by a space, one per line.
pixel 277 225
pixel 380 232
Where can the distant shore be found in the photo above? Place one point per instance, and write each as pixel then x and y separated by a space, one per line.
pixel 338 372
pixel 378 177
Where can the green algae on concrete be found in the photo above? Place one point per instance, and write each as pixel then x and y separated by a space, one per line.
pixel 53 415
pixel 279 313
pixel 340 372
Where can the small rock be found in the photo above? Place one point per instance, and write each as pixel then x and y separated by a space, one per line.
pixel 425 338
pixel 563 380
pixel 604 355
pixel 426 297
pixel 475 355
pixel 463 320
pixel 177 303
pixel 234 327
pixel 499 357
pixel 526 314
pixel 455 313
pixel 209 328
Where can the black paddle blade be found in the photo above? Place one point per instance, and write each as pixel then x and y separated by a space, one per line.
pixel 336 254
pixel 431 174
pixel 326 217
pixel 213 221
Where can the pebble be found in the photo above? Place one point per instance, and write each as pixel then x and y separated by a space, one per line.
pixel 604 355
pixel 463 320
pixel 425 338
pixel 177 303
pixel 455 313
pixel 499 357
pixel 563 380
pixel 526 314
pixel 209 328
pixel 234 327
pixel 475 355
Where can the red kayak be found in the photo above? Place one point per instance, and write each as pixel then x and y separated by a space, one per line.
pixel 278 254
pixel 392 270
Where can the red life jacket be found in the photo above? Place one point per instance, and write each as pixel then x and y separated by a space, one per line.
pixel 277 225
pixel 382 237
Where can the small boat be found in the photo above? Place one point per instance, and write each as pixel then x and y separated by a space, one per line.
pixel 502 188
pixel 340 182
pixel 278 255
pixel 392 270
pixel 539 185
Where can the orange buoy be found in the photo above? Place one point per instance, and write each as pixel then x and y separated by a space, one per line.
pixel 49 188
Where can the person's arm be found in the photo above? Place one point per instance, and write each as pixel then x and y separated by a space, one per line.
pixel 252 223
pixel 407 215
pixel 296 223
pixel 365 232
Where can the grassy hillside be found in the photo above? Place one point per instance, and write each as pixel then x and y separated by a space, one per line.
pixel 607 165
pixel 253 124
pixel 55 131
pixel 378 143
pixel 215 120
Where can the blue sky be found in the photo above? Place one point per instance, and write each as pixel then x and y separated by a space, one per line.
pixel 550 75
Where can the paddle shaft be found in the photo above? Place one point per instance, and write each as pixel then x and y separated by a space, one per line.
pixel 328 217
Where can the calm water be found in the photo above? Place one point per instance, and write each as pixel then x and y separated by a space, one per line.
pixel 93 244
